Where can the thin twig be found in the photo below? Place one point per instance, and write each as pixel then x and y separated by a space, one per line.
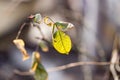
pixel 117 66
pixel 67 66
pixel 114 58
pixel 19 32
pixel 23 73
pixel 112 66
pixel 59 68
pixel 49 18
pixel 43 38
pixel 40 32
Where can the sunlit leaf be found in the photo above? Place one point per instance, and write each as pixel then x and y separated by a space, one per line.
pixel 37 18
pixel 64 26
pixel 48 21
pixel 61 42
pixel 38 68
pixel 44 47
pixel 20 45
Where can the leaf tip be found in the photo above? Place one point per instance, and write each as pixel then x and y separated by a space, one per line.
pixel 34 67
pixel 26 57
pixel 44 47
pixel 67 53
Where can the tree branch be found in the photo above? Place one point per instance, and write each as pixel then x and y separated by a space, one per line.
pixel 70 65
pixel 67 66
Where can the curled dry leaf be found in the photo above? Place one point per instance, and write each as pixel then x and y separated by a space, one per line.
pixel 48 21
pixel 20 45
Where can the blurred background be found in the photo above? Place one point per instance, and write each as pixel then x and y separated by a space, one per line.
pixel 96 22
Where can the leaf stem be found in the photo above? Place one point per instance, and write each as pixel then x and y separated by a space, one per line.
pixel 20 30
pixel 50 19
pixel 43 37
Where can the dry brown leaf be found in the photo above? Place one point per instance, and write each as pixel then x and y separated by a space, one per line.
pixel 21 46
pixel 48 21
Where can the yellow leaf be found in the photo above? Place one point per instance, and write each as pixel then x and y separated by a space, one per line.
pixel 20 45
pixel 61 42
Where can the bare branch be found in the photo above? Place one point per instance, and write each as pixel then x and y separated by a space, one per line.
pixel 67 66
pixel 112 66
pixel 59 68
pixel 19 32
pixel 22 73
pixel 117 66
pixel 114 58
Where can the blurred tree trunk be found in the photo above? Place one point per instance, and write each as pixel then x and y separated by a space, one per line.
pixel 88 41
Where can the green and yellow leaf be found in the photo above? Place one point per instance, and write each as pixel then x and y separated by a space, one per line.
pixel 39 71
pixel 64 26
pixel 61 42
